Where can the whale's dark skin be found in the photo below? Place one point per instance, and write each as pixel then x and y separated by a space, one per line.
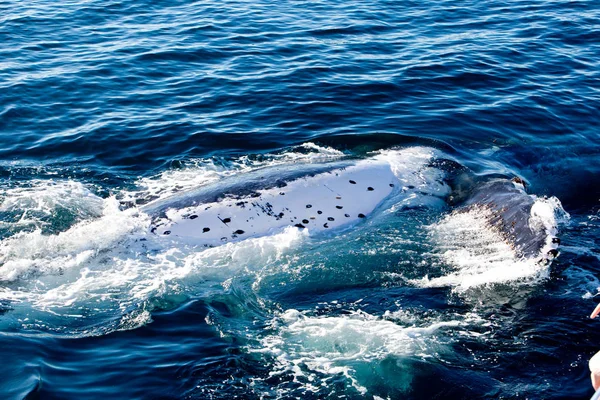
pixel 511 209
pixel 510 212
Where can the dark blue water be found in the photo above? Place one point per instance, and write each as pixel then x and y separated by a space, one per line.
pixel 105 105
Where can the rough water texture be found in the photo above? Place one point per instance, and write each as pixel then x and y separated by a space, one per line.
pixel 108 110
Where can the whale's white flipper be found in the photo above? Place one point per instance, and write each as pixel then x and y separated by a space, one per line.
pixel 321 202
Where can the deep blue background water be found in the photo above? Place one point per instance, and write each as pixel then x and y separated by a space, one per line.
pixel 108 93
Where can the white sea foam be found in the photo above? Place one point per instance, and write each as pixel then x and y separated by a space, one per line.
pixel 547 214
pixel 305 345
pixel 37 200
pixel 34 253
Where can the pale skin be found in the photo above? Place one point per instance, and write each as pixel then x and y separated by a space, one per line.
pixel 594 363
pixel 595 370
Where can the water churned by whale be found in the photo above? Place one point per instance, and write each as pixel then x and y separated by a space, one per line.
pixel 292 211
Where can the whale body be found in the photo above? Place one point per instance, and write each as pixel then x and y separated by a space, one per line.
pixel 325 197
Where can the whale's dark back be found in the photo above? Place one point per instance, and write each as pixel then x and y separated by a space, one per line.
pixel 510 210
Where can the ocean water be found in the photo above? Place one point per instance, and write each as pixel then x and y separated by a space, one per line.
pixel 106 107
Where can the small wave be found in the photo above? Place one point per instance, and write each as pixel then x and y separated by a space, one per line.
pixel 32 253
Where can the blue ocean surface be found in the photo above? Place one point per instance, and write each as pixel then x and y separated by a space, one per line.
pixel 106 107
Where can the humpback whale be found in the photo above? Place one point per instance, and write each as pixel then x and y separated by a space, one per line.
pixel 329 196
